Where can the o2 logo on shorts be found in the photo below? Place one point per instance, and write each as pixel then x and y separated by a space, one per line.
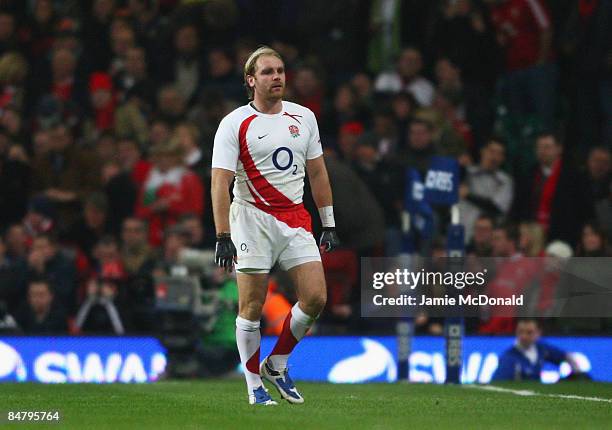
pixel 286 160
pixel 244 247
pixel 439 180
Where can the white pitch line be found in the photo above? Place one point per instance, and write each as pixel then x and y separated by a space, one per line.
pixel 535 393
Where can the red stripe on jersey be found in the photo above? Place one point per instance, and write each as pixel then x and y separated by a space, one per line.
pixel 295 217
pixel 280 207
pixel 265 189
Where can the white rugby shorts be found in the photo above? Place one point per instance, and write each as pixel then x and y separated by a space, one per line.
pixel 264 238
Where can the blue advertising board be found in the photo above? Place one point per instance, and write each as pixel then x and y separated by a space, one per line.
pixel 81 359
pixel 344 359
pixel 373 359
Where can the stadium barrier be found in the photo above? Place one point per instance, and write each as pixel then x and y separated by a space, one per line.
pixel 346 359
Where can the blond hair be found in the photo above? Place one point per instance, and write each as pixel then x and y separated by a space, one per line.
pixel 537 238
pixel 251 63
pixel 13 68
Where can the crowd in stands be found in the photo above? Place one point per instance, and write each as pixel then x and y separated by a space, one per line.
pixel 108 111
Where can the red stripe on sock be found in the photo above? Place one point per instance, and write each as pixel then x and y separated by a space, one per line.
pixel 252 364
pixel 286 341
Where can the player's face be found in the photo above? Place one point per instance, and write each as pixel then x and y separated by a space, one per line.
pixel 527 333
pixel 269 79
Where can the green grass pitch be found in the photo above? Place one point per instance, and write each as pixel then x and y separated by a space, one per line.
pixel 223 405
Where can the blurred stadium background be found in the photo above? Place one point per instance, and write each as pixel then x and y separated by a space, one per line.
pixel 103 284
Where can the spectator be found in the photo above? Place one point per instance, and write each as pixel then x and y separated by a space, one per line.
pixel 93 224
pixel 404 106
pixel 42 314
pixel 121 193
pixel 407 77
pixel 63 77
pixel 101 311
pixel 593 242
pixel 8 38
pixel 532 239
pixel 463 34
pixel 586 42
pixel 420 146
pixel 135 250
pixel 171 107
pixel 221 75
pixel 135 75
pixel 383 135
pixel 169 191
pixel 133 115
pixel 132 162
pixel 490 189
pixel 348 138
pixel 603 213
pixel 524 31
pixel 39 217
pixel 188 136
pixel 138 261
pixel 106 147
pixel 122 39
pixel 513 275
pixel 17 245
pixel 15 176
pixel 14 70
pixel 176 239
pixel 47 260
pixel 103 101
pixel 481 243
pixel 525 360
pixel 96 32
pixel 551 191
pixel 65 175
pixel 186 70
pixel 13 277
pixel 599 171
pixel 40 31
pixel 148 24
pixel 195 231
pixel 307 88
pixel 345 108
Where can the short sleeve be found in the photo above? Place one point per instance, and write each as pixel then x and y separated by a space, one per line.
pixel 226 146
pixel 315 149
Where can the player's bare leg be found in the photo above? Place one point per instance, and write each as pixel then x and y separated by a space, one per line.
pixel 252 289
pixel 309 281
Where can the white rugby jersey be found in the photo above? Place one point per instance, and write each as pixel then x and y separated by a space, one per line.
pixel 268 153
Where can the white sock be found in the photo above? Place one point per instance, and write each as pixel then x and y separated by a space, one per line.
pixel 248 339
pixel 295 327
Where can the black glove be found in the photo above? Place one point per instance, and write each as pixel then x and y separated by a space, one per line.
pixel 329 239
pixel 225 251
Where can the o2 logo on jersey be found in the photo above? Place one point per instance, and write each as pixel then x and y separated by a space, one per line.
pixel 283 159
pixel 294 130
pixel 439 180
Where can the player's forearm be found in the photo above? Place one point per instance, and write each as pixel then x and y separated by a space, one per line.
pixel 321 191
pixel 220 197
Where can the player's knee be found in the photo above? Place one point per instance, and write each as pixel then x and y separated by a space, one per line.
pixel 251 311
pixel 316 303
